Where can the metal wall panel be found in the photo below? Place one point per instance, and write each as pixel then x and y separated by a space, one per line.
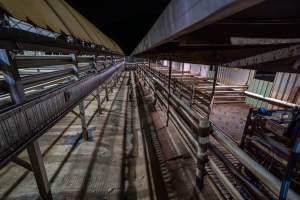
pixel 233 76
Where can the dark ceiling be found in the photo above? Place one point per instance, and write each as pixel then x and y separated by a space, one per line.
pixel 125 21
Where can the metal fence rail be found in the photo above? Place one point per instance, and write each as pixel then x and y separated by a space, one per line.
pixel 186 119
pixel 26 122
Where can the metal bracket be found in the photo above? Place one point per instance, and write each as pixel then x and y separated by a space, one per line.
pixel 22 163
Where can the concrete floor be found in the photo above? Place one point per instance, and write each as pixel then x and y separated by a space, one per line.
pixel 80 169
pixel 178 166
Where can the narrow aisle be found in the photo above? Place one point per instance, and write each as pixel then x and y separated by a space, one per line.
pixel 102 178
pixel 110 165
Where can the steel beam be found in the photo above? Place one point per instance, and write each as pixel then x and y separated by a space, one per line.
pixel 182 17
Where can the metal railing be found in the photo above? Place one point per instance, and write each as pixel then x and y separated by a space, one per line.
pixel 26 122
pixel 187 120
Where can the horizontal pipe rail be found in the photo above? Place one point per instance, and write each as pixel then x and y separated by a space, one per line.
pixel 48 60
pixel 29 81
pixel 271 100
pixel 259 171
pixel 32 80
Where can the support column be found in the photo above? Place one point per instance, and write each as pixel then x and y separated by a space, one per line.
pixel 169 91
pixel 98 100
pixel 181 83
pixel 39 170
pixel 94 64
pixel 106 92
pixel 97 90
pixel 214 88
pixel 214 83
pixel 104 64
pixel 83 121
pixel 192 95
pixel 202 147
pixel 81 104
pixel 16 89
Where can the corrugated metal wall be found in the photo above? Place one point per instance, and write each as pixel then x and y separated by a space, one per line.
pixel 234 76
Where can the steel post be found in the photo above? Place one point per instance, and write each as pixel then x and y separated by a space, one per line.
pixel 202 147
pixel 83 121
pixel 106 92
pixel 181 83
pixel 94 63
pixel 39 170
pixel 104 63
pixel 81 104
pixel 214 84
pixel 12 77
pixel 169 91
pixel 192 95
pixel 98 100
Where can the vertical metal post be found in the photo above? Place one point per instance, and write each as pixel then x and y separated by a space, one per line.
pixel 39 170
pixel 12 77
pixel 81 104
pixel 97 90
pixel 202 147
pixel 169 91
pixel 192 95
pixel 83 121
pixel 111 85
pixel 13 80
pixel 98 100
pixel 94 64
pixel 246 129
pixel 104 64
pixel 106 92
pixel 214 86
pixel 181 85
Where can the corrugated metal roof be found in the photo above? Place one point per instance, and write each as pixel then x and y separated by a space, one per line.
pixel 60 17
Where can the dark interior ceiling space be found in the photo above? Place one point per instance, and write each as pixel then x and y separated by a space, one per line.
pixel 125 21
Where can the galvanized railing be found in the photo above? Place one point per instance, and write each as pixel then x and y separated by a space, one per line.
pixel 26 122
